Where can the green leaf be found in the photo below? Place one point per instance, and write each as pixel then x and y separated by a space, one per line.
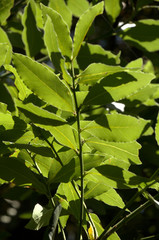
pixel 40 217
pixel 43 82
pixel 93 53
pixel 23 90
pixel 115 127
pixel 31 36
pixel 4 48
pixel 39 115
pixel 146 94
pixel 8 48
pixel 117 86
pixel 51 42
pixel 93 190
pixel 6 121
pixel 97 223
pixel 127 151
pixel 71 169
pixel 78 7
pixel 63 134
pixel 14 169
pixel 157 130
pixel 114 177
pixel 149 28
pixel 61 7
pixel 112 8
pixel 114 236
pixel 67 190
pixel 84 24
pixel 136 64
pixel 97 71
pixel 5 7
pixel 62 31
pixel 111 198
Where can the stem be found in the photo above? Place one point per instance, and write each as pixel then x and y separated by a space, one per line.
pixel 80 154
pixel 106 230
pixel 128 218
pixel 48 195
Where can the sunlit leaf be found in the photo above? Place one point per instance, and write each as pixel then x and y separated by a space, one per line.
pixel 78 7
pixel 62 31
pixel 126 151
pixel 111 197
pixel 61 7
pixel 115 127
pixel 5 40
pixel 113 8
pixel 51 42
pixel 83 26
pixel 97 71
pixel 43 82
pixel 157 130
pixel 5 7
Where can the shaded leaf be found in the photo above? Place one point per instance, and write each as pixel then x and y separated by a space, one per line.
pixel 67 190
pixel 149 28
pixel 39 115
pixel 43 82
pixel 93 53
pixel 114 177
pixel 71 169
pixel 84 24
pixel 116 87
pixel 13 169
pixel 31 36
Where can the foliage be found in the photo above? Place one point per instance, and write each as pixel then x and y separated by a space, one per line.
pixel 61 135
